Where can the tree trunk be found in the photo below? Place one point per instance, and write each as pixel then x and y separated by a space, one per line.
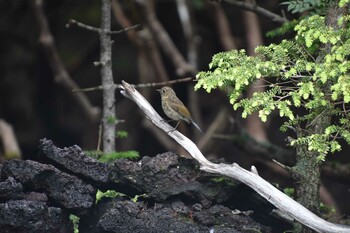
pixel 109 118
pixel 306 172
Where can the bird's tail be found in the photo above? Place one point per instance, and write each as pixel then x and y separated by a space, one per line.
pixel 195 125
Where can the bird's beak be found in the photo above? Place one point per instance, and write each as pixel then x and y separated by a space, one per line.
pixel 158 90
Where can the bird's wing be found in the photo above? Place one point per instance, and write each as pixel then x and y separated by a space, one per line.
pixel 180 108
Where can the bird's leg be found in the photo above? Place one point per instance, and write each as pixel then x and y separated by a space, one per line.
pixel 175 126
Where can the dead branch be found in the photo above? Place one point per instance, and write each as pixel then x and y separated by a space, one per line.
pixel 62 77
pixel 259 10
pixel 252 179
pixel 99 30
pixel 143 85
pixel 182 67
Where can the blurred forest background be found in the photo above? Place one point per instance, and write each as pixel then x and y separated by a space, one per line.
pixel 37 102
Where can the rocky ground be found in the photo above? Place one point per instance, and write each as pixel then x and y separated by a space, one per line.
pixel 164 193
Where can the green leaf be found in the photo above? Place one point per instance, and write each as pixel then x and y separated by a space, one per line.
pixel 75 220
pixel 109 194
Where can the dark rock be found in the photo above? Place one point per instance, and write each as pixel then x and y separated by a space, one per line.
pixel 117 215
pixel 34 196
pixel 166 176
pixel 33 217
pixel 223 216
pixel 61 188
pixel 74 161
pixel 10 189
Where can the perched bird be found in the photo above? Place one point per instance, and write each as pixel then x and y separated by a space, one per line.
pixel 174 108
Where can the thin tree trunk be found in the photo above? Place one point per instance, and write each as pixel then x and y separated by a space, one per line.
pixel 108 119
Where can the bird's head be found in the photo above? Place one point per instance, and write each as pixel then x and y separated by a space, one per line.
pixel 166 91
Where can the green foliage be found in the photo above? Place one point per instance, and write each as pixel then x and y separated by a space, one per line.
pixel 342 3
pixel 113 193
pixel 110 157
pixel 282 30
pixel 136 198
pixel 223 180
pixel 313 6
pixel 112 120
pixel 289 191
pixel 121 134
pixel 75 220
pixel 325 209
pixel 108 193
pixel 306 78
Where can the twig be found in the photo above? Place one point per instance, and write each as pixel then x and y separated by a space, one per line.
pixel 279 164
pixel 261 11
pixel 99 137
pixel 261 186
pixel 144 85
pixel 99 30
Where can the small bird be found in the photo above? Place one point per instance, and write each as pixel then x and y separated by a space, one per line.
pixel 174 108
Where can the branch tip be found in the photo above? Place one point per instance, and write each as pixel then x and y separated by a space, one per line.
pixel 254 170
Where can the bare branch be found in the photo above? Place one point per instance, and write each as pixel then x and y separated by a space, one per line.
pixel 261 186
pixel 279 164
pixel 259 10
pixel 62 77
pixel 99 30
pixel 82 25
pixel 143 85
pixel 182 67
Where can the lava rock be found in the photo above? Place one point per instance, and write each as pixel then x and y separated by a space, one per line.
pixel 62 188
pixel 223 216
pixel 18 216
pixel 116 215
pixel 167 176
pixel 74 161
pixel 11 189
